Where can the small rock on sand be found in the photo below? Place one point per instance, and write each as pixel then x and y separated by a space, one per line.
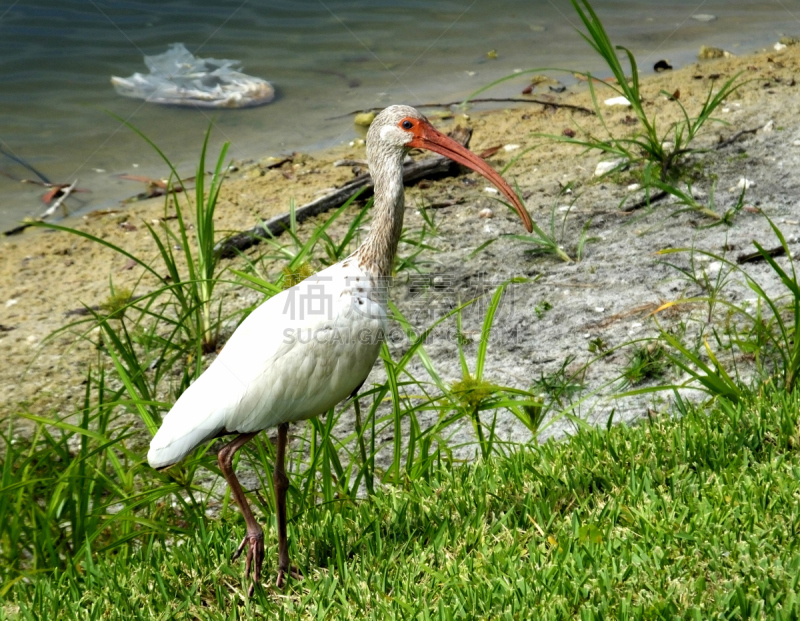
pixel 708 52
pixel 617 101
pixel 364 119
pixel 606 167
pixel 704 17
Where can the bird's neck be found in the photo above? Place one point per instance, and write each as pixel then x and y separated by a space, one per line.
pixel 377 252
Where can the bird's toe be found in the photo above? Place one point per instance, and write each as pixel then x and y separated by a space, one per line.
pixel 254 558
pixel 280 582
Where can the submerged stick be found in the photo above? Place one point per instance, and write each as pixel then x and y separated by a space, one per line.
pixel 65 192
pixel 24 164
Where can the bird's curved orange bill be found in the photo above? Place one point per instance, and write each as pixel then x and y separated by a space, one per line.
pixel 426 137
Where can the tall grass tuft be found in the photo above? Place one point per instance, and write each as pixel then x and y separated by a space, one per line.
pixel 646 146
pixel 72 489
pixel 173 325
pixel 658 155
pixel 751 345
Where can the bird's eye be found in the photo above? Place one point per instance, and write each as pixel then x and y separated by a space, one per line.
pixel 406 124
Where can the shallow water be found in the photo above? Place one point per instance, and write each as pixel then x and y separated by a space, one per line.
pixel 323 58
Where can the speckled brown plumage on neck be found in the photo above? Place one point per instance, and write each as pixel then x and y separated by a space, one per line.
pixel 376 254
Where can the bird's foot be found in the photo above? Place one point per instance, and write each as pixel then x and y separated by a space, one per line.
pixel 282 573
pixel 254 541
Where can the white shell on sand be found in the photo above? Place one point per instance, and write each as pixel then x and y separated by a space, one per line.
pixel 617 101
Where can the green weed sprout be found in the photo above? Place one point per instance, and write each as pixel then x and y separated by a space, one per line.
pixel 765 333
pixel 647 145
pixel 551 241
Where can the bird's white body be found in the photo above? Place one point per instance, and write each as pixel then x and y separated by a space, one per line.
pixel 294 357
pixel 309 347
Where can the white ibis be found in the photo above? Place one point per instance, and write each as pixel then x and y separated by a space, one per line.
pixel 310 347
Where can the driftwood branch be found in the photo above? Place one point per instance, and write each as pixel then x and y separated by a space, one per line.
pixel 65 192
pixel 412 171
pixel 735 137
pixel 543 102
pixel 757 256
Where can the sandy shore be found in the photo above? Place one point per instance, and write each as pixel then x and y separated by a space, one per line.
pixel 44 275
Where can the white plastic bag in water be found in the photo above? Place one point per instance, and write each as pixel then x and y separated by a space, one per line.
pixel 177 78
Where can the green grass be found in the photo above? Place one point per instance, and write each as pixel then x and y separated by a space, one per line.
pixel 689 518
pixel 740 346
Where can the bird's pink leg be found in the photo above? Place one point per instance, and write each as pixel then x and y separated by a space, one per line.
pixel 254 539
pixel 281 483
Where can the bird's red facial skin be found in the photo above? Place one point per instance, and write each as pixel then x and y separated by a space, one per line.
pixel 412 126
pixel 426 137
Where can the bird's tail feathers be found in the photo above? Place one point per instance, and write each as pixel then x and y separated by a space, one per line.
pixel 197 416
pixel 172 442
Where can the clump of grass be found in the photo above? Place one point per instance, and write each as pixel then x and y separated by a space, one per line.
pixel 665 151
pixel 117 301
pixel 553 240
pixel 70 489
pixel 765 332
pixel 563 384
pixel 690 518
pixel 647 362
pixel 597 345
pixel 541 308
pixel 295 275
pixel 160 337
pixel 691 204
pixel 658 156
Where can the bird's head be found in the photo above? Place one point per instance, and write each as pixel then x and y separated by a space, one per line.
pixel 399 128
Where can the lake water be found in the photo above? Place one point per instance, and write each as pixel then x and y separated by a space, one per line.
pixel 323 58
